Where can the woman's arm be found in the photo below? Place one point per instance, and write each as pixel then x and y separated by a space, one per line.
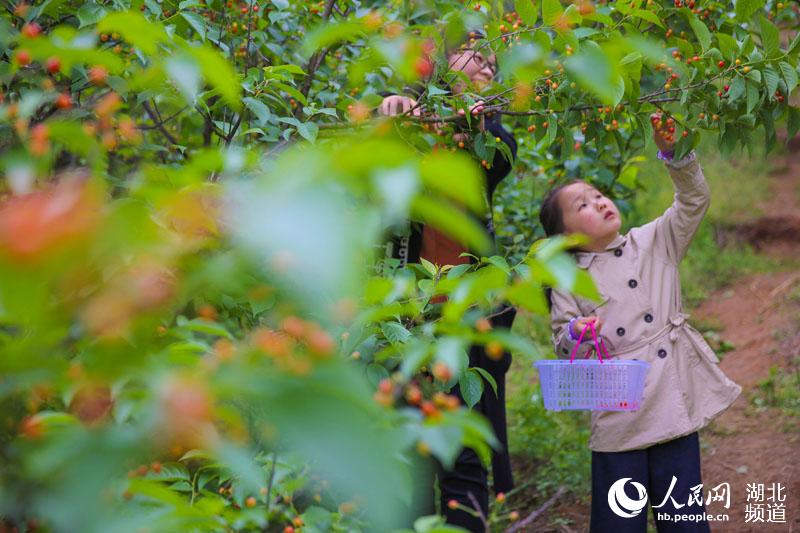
pixel 501 166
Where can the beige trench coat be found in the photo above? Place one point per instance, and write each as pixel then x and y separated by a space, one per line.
pixel 637 277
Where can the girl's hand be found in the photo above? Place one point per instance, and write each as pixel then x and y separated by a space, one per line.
pixel 584 321
pixel 398 105
pixel 663 132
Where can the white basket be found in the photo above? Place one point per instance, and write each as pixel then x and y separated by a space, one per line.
pixel 592 385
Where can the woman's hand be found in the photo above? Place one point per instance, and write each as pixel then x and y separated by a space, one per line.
pixel 663 132
pixel 476 110
pixel 584 321
pixel 398 105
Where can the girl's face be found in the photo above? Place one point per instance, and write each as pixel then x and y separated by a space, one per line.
pixel 478 68
pixel 585 210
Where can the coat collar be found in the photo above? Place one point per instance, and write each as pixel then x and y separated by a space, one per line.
pixel 584 259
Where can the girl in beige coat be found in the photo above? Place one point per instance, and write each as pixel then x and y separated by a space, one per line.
pixel 656 448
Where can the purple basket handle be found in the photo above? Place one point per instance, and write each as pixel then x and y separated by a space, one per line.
pixel 598 344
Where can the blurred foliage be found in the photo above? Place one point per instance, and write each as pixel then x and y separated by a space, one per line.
pixel 198 328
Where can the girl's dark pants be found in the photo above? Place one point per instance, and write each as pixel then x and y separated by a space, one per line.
pixel 654 468
pixel 468 475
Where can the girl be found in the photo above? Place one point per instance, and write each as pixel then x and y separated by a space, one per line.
pixel 637 275
pixel 468 482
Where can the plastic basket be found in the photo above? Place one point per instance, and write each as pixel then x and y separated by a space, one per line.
pixel 594 385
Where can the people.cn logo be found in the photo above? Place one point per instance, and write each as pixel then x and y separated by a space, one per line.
pixel 621 504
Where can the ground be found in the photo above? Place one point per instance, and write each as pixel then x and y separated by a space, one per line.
pixel 759 315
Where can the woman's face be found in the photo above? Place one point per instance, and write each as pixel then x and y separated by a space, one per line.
pixel 586 210
pixel 478 68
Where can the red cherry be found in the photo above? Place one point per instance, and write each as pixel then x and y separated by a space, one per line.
pixel 721 64
pixel 424 67
pixel 98 75
pixel 23 57
pixel 31 30
pixel 53 65
pixel 64 101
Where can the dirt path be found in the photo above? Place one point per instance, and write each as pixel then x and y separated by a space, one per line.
pixel 760 316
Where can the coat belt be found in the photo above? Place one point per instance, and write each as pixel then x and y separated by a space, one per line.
pixel 675 325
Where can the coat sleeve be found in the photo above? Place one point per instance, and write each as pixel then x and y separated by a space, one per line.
pixel 564 308
pixel 673 231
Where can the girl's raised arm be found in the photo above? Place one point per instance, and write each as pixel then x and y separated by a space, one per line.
pixel 672 232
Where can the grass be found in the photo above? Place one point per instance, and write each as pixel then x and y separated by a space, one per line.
pixel 550 449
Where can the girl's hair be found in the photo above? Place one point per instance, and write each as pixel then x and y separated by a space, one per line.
pixel 550 215
pixel 552 220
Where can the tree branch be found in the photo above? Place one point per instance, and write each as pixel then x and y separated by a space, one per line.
pixel 535 514
pixel 158 123
pixel 316 59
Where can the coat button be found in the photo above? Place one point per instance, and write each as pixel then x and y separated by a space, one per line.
pixel 564 350
pixel 632 283
pixel 618 252
pixel 648 318
pixel 620 331
pixel 662 353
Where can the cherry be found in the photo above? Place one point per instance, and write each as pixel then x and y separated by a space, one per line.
pixel 98 75
pixel 23 57
pixel 31 30
pixel 53 65
pixel 494 350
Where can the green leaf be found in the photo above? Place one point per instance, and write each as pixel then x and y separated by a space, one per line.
pixel 789 75
pixel 649 16
pixel 752 96
pixel 591 69
pixel 794 44
pixel 471 386
pixel 329 33
pixel 552 131
pixel 528 296
pixel 452 221
pixel 500 262
pixel 452 351
pixel 258 108
pixel 527 10
pixel 745 8
pixel 551 11
pixel 737 89
pixel 137 30
pixel 455 176
pixel 700 29
pixel 209 328
pixel 771 80
pixel 792 123
pixel 185 72
pixel 769 37
pixel 291 91
pixel 395 332
pixel 219 73
pixel 308 130
pixel 487 376
pixel 197 23
pixel 89 13
pixel 727 45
